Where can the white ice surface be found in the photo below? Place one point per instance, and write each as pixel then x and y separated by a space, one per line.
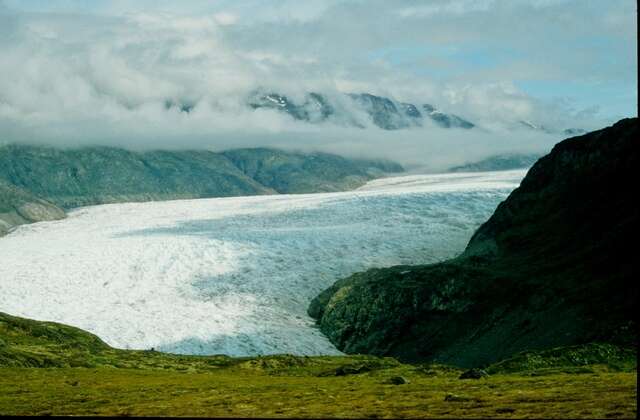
pixel 233 275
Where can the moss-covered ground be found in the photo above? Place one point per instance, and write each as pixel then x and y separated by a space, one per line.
pixel 298 392
pixel 52 369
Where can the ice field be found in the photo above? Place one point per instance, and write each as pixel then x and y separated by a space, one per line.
pixel 233 275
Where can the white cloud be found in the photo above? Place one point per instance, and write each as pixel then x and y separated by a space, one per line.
pixel 224 18
pixel 105 75
pixel 440 8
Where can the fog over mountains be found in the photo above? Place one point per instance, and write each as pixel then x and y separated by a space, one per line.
pixel 319 208
pixel 364 109
pixel 326 76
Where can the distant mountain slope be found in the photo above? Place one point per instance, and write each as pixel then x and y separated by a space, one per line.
pixel 96 175
pixel 382 112
pixel 364 109
pixel 18 207
pixel 542 128
pixel 499 163
pixel 72 178
pixel 288 172
pixel 554 265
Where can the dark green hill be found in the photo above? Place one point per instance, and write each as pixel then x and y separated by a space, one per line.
pixel 97 175
pixel 554 266
pixel 288 172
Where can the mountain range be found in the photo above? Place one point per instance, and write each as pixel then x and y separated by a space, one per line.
pixel 38 183
pixel 362 110
pixel 551 267
pixel 542 300
pixel 384 112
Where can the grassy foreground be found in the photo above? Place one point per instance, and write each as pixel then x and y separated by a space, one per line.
pixel 238 391
pixel 48 368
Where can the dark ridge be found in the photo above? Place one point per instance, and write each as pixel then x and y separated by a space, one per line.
pixel 97 175
pixel 554 266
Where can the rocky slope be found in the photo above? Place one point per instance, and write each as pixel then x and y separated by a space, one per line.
pixel 77 177
pixel 553 266
pixel 18 207
pixel 364 109
pixel 382 112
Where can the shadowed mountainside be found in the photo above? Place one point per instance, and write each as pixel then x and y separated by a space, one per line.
pixel 553 266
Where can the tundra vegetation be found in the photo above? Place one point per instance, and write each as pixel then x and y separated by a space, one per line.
pixel 53 369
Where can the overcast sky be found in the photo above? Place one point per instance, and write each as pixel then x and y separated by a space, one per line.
pixel 97 71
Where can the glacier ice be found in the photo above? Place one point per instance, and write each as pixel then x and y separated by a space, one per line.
pixel 233 275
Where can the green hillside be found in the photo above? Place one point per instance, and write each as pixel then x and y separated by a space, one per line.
pixel 97 175
pixel 53 369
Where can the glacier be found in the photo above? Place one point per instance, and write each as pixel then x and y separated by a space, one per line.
pixel 233 275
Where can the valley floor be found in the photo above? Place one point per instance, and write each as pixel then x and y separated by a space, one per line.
pixel 255 389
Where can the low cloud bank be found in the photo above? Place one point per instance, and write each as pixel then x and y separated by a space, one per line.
pixel 121 79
